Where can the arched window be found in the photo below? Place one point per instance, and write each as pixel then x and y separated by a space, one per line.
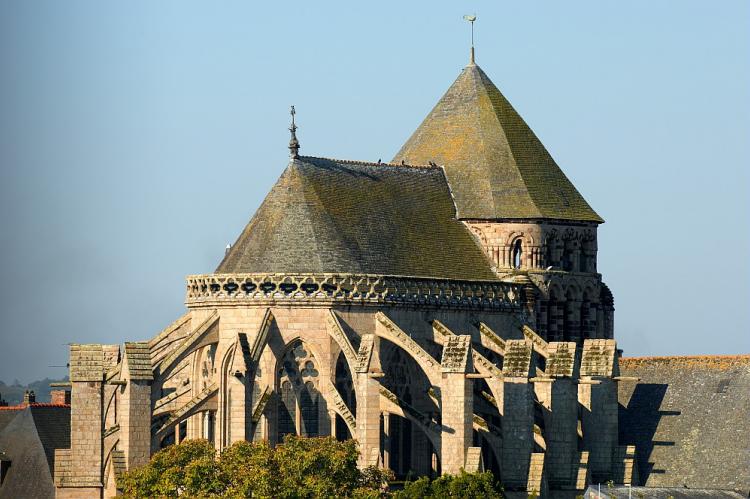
pixel 287 411
pixel 517 251
pixel 299 400
pixel 309 408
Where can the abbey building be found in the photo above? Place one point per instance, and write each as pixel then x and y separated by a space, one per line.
pixel 443 309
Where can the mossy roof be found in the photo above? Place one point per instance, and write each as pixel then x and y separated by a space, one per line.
pixel 332 216
pixel 688 420
pixel 496 166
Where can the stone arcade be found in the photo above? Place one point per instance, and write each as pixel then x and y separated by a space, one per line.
pixel 444 309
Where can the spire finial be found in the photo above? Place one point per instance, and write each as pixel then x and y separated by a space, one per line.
pixel 293 142
pixel 471 19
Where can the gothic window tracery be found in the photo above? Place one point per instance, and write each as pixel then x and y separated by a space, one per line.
pixel 299 397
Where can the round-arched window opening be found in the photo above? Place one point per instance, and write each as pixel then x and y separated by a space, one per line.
pixel 517 251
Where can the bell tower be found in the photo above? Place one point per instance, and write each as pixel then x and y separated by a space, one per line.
pixel 533 224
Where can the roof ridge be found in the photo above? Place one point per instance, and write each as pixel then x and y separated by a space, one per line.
pixel 721 356
pixel 370 163
pixel 21 407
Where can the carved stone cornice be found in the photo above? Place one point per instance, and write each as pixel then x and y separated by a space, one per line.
pixel 210 290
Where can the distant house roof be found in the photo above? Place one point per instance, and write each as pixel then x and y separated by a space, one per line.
pixel 333 216
pixel 688 418
pixel 29 436
pixel 620 492
pixel 496 166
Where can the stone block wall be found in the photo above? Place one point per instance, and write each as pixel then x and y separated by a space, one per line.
pixel 566 247
pixel 532 429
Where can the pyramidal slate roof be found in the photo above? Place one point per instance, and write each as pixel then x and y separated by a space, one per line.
pixel 496 166
pixel 333 216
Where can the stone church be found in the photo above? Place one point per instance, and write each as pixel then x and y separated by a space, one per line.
pixel 443 309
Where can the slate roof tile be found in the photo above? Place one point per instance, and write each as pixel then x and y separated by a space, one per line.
pixel 496 166
pixel 331 216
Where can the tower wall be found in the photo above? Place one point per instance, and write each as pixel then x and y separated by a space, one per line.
pixel 567 300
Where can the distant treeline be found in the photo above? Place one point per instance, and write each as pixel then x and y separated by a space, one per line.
pixel 13 394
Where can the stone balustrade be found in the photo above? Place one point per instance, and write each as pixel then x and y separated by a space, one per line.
pixel 219 289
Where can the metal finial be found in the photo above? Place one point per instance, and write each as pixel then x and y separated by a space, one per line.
pixel 471 19
pixel 293 142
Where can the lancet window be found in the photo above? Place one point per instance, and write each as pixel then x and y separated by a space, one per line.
pixel 299 396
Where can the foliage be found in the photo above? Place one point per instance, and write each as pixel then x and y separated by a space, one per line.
pixel 317 467
pixel 464 485
pixel 249 469
pixel 299 468
pixel 187 469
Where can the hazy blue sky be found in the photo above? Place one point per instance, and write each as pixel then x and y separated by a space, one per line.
pixel 137 138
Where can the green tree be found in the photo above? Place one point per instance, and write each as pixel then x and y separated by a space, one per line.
pixel 188 469
pixel 317 467
pixel 248 469
pixel 464 485
pixel 298 468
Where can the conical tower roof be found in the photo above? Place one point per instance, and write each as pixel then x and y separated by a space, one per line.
pixel 496 166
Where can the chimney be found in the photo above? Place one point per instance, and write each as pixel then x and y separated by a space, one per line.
pixel 29 397
pixel 60 397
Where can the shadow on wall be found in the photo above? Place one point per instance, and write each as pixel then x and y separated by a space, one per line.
pixel 639 422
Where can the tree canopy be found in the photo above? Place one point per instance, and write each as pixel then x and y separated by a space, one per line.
pixel 299 468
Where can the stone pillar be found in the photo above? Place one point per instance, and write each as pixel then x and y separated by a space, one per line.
pixel 517 409
pixel 457 421
pixel 598 398
pixel 558 397
pixel 517 429
pixel 457 403
pixel 235 397
pixel 597 395
pixel 135 423
pixel 83 476
pixel 135 405
pixel 386 439
pixel 368 418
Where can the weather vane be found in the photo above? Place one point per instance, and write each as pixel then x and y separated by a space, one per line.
pixel 471 19
pixel 293 142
